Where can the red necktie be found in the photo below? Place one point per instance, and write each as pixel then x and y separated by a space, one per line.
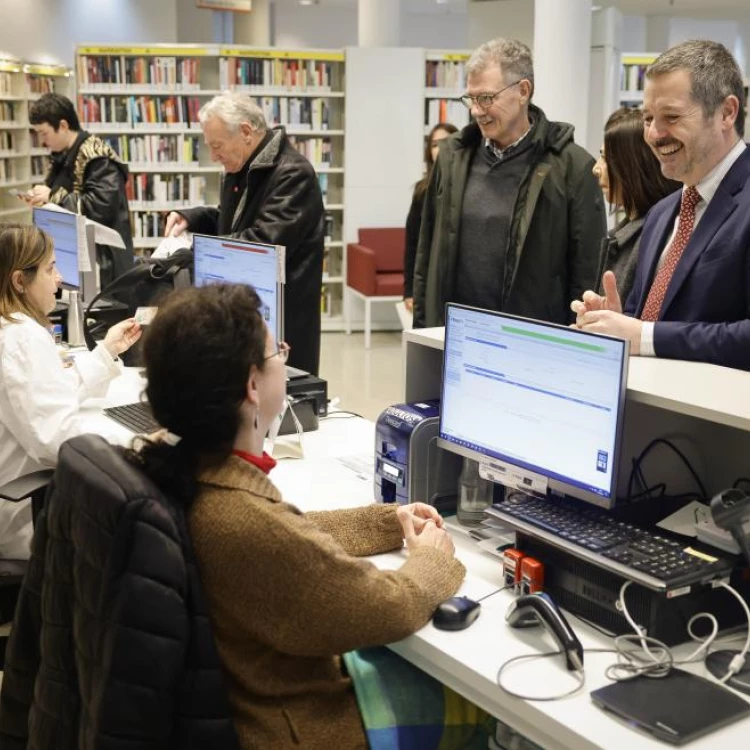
pixel 690 199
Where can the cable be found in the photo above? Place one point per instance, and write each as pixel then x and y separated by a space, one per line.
pixel 740 480
pixel 738 662
pixel 487 596
pixel 579 674
pixel 345 415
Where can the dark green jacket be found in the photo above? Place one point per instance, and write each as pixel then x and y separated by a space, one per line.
pixel 556 231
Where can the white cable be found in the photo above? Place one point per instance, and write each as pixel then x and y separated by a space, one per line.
pixel 578 673
pixel 738 662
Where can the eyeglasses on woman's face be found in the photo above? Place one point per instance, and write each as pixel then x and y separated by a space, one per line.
pixel 282 351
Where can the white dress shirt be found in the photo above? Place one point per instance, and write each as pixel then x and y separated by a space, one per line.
pixel 707 188
pixel 39 404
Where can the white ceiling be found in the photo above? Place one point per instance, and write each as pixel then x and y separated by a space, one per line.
pixel 733 9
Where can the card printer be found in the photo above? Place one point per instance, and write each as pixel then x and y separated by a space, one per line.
pixel 308 396
pixel 409 465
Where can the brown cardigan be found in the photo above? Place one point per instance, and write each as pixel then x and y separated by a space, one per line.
pixel 287 595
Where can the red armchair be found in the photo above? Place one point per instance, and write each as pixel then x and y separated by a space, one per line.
pixel 375 270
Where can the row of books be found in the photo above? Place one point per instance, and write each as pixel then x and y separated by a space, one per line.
pixel 445 74
pixel 147 223
pixel 7 169
pixel 7 111
pixel 316 150
pixel 299 74
pixel 40 84
pixel 121 70
pixel 446 110
pixel 330 304
pixel 132 111
pixel 313 113
pixel 154 149
pixel 6 84
pixel 39 165
pixel 171 189
pixel 6 140
pixel 36 139
pixel 633 77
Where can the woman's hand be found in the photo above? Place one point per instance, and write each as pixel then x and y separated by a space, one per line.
pixel 122 336
pixel 428 536
pixel 419 513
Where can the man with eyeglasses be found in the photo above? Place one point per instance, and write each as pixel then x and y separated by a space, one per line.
pixel 513 216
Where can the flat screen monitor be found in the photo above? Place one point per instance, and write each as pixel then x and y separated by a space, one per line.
pixel 227 260
pixel 535 397
pixel 63 228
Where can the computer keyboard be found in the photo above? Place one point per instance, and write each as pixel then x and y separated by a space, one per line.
pixel 136 417
pixel 657 561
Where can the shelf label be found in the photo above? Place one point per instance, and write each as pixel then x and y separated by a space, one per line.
pixel 9 67
pixel 281 54
pixel 148 51
pixel 235 6
pixel 449 57
pixel 46 70
pixel 638 59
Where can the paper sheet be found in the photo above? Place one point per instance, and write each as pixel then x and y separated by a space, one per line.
pixel 169 245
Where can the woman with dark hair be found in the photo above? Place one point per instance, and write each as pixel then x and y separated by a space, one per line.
pixel 414 218
pixel 287 591
pixel 39 398
pixel 631 178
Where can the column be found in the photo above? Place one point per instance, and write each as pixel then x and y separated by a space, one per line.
pixel 255 27
pixel 379 23
pixel 562 58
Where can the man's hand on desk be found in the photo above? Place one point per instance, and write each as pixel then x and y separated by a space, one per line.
pixel 423 527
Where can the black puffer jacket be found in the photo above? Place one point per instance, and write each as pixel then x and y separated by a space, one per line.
pixel 111 646
pixel 281 205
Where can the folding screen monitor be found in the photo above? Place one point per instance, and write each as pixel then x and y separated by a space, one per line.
pixel 63 229
pixel 535 397
pixel 224 259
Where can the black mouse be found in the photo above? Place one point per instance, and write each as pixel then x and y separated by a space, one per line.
pixel 456 613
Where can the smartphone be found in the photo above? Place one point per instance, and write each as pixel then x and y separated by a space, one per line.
pixel 16 193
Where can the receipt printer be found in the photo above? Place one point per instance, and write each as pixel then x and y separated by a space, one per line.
pixel 409 465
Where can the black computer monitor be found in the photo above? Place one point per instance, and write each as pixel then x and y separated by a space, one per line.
pixel 224 259
pixel 536 399
pixel 63 228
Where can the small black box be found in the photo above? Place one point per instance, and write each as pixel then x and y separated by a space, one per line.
pixel 309 399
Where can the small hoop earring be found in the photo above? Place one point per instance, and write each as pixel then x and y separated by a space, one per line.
pixel 255 420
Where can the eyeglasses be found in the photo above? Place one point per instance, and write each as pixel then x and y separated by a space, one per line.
pixel 484 101
pixel 282 350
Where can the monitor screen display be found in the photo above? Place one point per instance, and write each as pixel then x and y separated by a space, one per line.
pixel 541 397
pixel 227 260
pixel 63 228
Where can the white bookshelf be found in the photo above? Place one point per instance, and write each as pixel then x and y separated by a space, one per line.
pixel 144 101
pixel 22 160
pixel 633 76
pixel 445 81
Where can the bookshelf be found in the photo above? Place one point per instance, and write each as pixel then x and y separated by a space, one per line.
pixel 633 76
pixel 445 81
pixel 144 101
pixel 22 159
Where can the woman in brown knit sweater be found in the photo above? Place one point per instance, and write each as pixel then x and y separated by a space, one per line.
pixel 288 592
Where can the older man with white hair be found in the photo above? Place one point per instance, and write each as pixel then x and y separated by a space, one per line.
pixel 270 194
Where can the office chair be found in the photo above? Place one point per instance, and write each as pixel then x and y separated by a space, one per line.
pixel 111 642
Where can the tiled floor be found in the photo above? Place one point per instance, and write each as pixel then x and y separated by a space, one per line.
pixel 365 380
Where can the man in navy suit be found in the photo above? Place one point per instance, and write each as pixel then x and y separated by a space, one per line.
pixel 691 295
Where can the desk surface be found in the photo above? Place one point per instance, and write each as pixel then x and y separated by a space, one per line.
pixel 716 394
pixel 467 661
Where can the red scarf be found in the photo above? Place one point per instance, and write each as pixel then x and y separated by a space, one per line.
pixel 265 462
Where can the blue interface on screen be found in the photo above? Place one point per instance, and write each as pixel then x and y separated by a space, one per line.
pixel 223 259
pixel 542 397
pixel 63 230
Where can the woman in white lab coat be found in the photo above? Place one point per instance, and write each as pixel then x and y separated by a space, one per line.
pixel 39 397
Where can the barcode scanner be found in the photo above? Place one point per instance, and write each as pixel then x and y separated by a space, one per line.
pixel 531 610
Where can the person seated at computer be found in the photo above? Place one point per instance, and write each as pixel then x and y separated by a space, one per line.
pixel 287 592
pixel 691 294
pixel 39 397
pixel 632 182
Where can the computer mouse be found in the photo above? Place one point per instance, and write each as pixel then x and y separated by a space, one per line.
pixel 456 613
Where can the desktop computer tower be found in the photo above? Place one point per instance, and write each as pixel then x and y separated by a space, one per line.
pixel 591 593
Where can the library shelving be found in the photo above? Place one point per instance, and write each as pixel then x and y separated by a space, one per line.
pixel 633 77
pixel 445 81
pixel 22 159
pixel 144 101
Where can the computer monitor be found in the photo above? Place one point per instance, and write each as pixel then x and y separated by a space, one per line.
pixel 536 399
pixel 224 259
pixel 63 229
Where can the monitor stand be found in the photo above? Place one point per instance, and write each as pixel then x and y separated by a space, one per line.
pixel 717 664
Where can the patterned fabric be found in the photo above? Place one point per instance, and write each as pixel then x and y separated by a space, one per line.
pixel 403 708
pixel 690 199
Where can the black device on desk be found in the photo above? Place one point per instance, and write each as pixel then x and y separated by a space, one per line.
pixel 541 407
pixel 456 613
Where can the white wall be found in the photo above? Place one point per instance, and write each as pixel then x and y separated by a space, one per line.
pixel 193 24
pixel 435 31
pixel 296 27
pixel 513 19
pixel 48 30
pixel 634 34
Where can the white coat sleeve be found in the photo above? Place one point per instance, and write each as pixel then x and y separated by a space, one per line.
pixel 44 396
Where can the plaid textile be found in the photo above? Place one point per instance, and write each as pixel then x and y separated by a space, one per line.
pixel 403 708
